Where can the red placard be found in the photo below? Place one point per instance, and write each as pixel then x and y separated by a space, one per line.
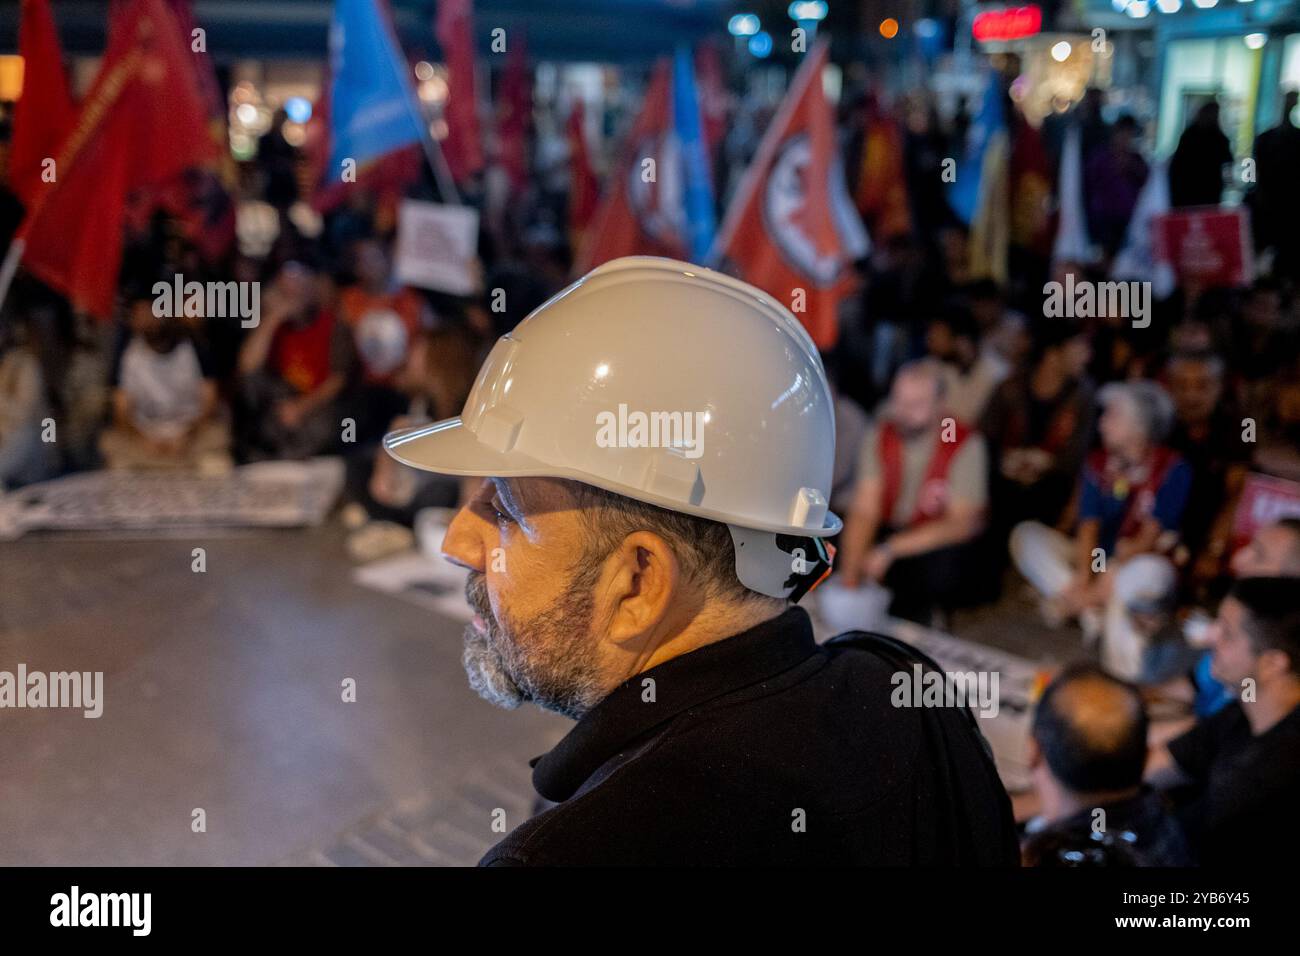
pixel 1007 23
pixel 1209 246
pixel 1264 500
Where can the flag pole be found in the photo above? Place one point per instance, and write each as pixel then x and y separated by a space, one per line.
pixel 9 267
pixel 441 171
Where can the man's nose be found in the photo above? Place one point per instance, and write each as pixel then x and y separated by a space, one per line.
pixel 463 543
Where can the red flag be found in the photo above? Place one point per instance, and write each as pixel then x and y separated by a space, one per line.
pixel 463 146
pixel 637 216
pixel 791 229
pixel 713 94
pixel 515 116
pixel 44 112
pixel 881 194
pixel 584 190
pixel 141 124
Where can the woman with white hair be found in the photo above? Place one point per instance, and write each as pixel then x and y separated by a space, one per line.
pixel 1133 495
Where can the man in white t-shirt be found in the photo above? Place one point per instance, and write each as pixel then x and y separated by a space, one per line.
pixel 165 408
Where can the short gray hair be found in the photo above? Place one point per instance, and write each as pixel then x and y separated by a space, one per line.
pixel 1155 410
pixel 703 547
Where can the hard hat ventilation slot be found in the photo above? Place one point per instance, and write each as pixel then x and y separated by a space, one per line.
pixel 498 428
pixel 674 477
pixel 809 508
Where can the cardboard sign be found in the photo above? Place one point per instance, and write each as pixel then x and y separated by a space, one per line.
pixel 1209 246
pixel 437 247
pixel 1265 500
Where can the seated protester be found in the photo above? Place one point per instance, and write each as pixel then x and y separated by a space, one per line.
pixel 165 408
pixel 1273 551
pixel 293 367
pixel 384 319
pixel 1208 436
pixel 1239 770
pixel 920 500
pixel 1038 425
pixel 1277 451
pixel 1087 752
pixel 24 407
pixel 1130 508
pixel 971 373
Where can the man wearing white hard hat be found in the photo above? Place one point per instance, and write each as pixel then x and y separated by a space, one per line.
pixel 658 444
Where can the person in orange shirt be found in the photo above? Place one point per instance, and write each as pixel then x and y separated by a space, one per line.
pixel 384 320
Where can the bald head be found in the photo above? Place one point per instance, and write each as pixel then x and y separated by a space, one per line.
pixel 1092 731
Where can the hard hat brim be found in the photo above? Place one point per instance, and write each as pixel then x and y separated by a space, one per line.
pixel 449 448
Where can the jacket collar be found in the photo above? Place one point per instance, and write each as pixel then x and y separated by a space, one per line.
pixel 680 684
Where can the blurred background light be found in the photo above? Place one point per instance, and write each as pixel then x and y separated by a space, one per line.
pixel 298 108
pixel 743 25
pixel 808 10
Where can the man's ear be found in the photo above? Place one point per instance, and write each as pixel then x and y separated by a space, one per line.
pixel 1273 663
pixel 641 581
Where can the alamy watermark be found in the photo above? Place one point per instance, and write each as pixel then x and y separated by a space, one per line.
pixel 213 300
pixel 130 910
pixel 636 429
pixel 78 690
pixel 920 687
pixel 1098 300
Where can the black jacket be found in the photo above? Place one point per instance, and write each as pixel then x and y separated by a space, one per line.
pixel 765 748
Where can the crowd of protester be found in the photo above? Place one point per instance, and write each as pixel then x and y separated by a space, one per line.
pixel 982 446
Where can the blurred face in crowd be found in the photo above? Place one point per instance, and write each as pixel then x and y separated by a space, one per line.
pixel 1121 425
pixel 1263 308
pixel 161 335
pixel 372 265
pixel 987 311
pixel 918 118
pixel 914 402
pixel 1192 336
pixel 532 635
pixel 1274 551
pixel 940 340
pixel 298 284
pixel 1196 387
pixel 1076 354
pixel 1234 656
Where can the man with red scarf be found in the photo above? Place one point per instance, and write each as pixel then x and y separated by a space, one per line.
pixel 920 501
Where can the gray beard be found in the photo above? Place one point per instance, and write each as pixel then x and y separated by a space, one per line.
pixel 560 674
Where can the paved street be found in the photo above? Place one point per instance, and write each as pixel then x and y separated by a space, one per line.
pixel 223 692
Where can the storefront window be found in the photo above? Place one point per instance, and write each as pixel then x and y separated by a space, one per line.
pixel 1199 70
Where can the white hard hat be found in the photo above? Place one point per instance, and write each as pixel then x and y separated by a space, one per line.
pixel 671 384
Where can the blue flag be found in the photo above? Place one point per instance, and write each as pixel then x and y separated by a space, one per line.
pixel 964 193
pixel 372 107
pixel 697 175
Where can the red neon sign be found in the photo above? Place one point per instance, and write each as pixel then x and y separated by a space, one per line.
pixel 1007 23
